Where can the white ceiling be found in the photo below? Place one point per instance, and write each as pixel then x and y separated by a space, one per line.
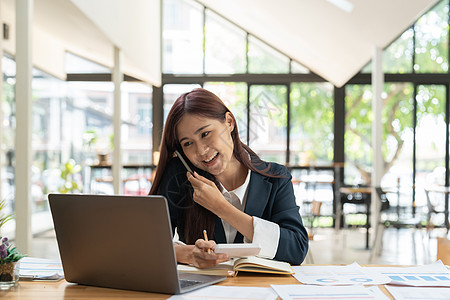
pixel 91 29
pixel 134 26
pixel 328 40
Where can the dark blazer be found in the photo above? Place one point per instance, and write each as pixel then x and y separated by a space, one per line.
pixel 269 198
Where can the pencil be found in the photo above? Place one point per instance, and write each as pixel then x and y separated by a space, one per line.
pixel 206 239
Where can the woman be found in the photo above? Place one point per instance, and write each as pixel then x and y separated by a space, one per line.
pixel 232 194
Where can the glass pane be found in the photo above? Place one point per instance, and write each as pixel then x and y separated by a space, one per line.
pixel 358 134
pixel 264 59
pixel 172 92
pixel 397 58
pixel 137 123
pixel 8 143
pixel 225 46
pixel 432 41
pixel 182 37
pixel 367 68
pixel 90 106
pixel 76 64
pixel 397 120
pixel 234 95
pixel 298 68
pixel 312 121
pixel 48 143
pixel 430 138
pixel 268 121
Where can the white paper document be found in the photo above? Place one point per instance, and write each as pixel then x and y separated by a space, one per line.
pixel 419 293
pixel 352 274
pixel 299 291
pixel 435 274
pixel 40 269
pixel 229 293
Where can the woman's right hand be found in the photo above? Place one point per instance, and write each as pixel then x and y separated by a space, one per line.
pixel 198 256
pixel 202 259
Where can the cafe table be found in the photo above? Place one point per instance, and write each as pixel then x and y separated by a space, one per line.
pixel 63 290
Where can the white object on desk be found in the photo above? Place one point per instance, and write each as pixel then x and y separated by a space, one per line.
pixel 238 250
pixel 40 269
pixel 352 274
pixel 418 293
pixel 435 274
pixel 301 291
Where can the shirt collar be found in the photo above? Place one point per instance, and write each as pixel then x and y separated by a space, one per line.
pixel 239 191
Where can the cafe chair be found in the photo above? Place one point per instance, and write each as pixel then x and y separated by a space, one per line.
pixel 353 201
pixel 388 218
pixel 310 216
pixel 433 210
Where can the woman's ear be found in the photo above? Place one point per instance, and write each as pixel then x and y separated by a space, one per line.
pixel 229 121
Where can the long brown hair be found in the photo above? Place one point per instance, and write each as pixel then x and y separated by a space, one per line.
pixel 203 103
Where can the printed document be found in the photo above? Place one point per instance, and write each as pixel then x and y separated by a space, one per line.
pixel 299 291
pixel 435 274
pixel 419 293
pixel 40 269
pixel 352 274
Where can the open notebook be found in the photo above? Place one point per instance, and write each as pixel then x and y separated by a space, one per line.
pixel 244 264
pixel 122 242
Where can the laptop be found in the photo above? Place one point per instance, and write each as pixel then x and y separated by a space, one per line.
pixel 122 242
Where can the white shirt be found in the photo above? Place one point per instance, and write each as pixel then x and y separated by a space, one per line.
pixel 265 233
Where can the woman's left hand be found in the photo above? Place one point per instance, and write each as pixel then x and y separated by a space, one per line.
pixel 206 193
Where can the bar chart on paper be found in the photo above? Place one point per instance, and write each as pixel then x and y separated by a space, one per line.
pixel 420 277
pixel 434 274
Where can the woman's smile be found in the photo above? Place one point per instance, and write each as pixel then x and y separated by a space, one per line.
pixel 211 160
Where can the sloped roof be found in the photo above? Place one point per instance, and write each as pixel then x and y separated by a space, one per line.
pixel 330 41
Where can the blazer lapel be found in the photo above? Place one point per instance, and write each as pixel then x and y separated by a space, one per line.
pixel 257 195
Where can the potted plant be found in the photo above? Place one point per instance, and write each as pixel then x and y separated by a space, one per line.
pixel 9 256
pixel 68 175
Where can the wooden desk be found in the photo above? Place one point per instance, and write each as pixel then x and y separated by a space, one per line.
pixel 63 290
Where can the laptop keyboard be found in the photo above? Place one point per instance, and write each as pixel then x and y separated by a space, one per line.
pixel 184 283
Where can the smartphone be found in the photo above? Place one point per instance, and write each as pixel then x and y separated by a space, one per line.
pixel 184 162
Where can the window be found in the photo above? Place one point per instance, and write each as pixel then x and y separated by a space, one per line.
pixel 264 59
pixel 182 37
pixel 397 58
pixel 430 136
pixel 137 123
pixel 312 117
pixel 268 121
pixel 431 52
pixel 76 64
pixel 357 143
pixel 225 46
